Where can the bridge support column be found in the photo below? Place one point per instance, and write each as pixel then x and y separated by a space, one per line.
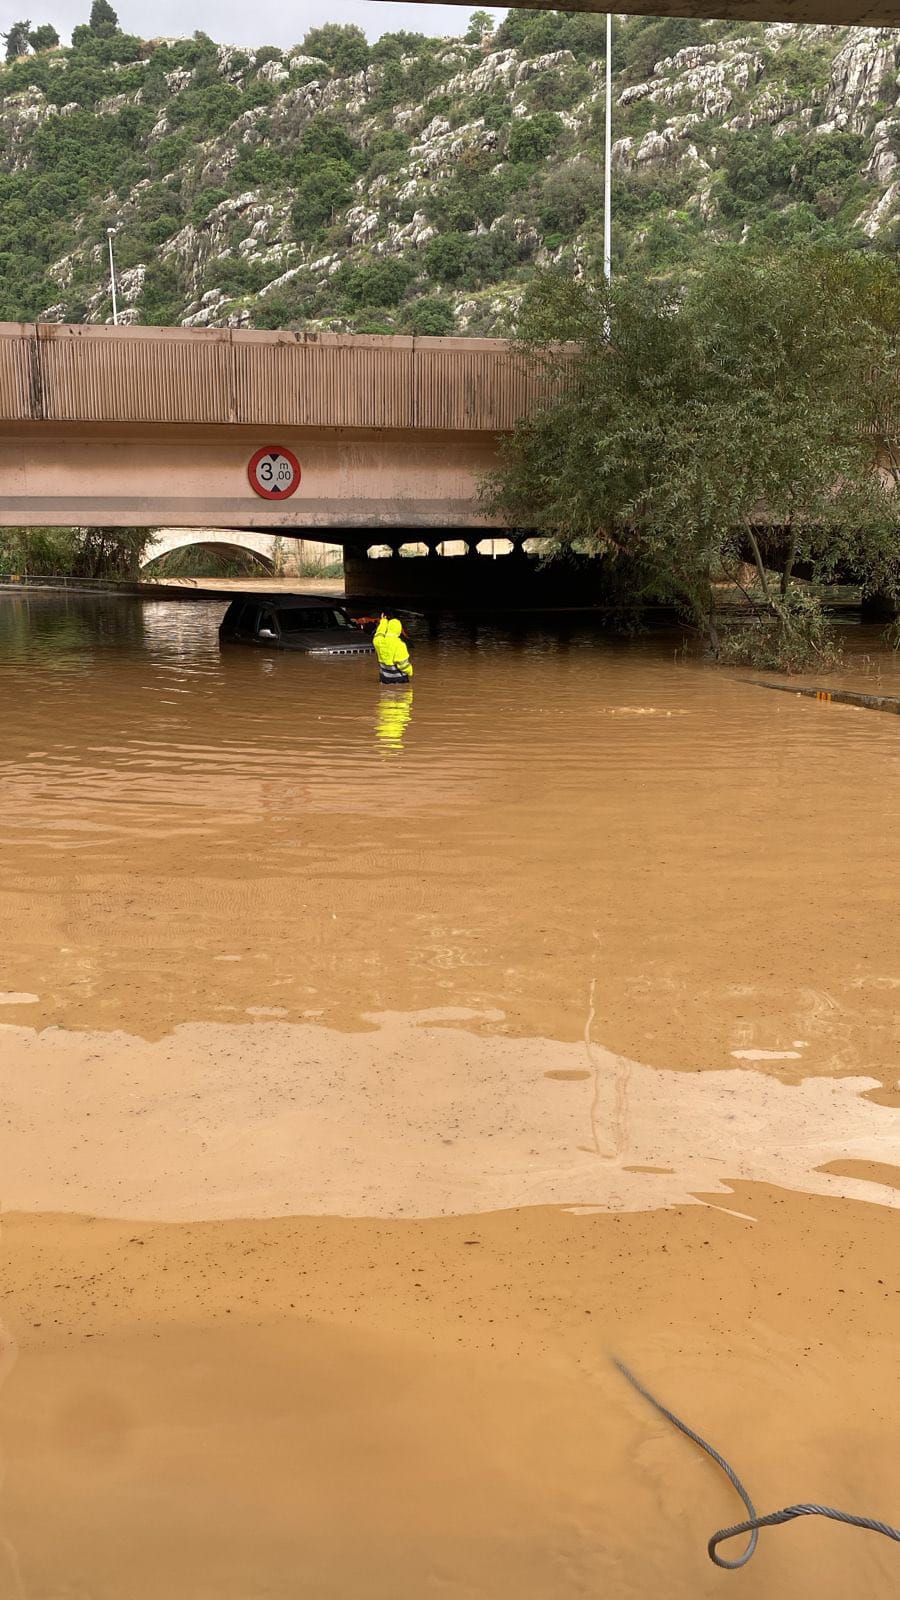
pixel 355 550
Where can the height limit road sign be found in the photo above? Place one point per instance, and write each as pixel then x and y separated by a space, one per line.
pixel 274 473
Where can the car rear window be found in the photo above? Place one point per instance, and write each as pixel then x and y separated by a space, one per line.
pixel 311 619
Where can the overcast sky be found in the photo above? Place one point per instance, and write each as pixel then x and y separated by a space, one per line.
pixel 247 22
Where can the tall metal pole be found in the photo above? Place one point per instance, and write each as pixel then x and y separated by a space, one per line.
pixel 112 276
pixel 607 185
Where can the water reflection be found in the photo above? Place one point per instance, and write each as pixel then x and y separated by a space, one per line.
pixel 392 721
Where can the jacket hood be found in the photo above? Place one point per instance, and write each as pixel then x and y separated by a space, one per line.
pixel 394 628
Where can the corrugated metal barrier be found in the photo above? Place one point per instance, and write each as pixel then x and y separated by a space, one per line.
pixel 57 373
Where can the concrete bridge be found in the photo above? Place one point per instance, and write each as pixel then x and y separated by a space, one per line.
pixel 151 427
pixel 359 442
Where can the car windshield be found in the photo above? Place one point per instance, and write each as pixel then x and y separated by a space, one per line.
pixel 311 619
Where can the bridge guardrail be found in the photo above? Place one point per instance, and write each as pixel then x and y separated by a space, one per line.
pixel 54 372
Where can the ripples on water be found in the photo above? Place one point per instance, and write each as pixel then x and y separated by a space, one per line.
pixel 546 808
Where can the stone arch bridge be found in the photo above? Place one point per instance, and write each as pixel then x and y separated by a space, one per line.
pixel 276 555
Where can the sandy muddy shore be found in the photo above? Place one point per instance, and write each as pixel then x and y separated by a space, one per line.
pixel 392 1409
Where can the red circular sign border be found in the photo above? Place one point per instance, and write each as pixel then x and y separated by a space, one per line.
pixel 274 494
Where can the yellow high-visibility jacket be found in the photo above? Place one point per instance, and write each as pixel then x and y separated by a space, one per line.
pixel 390 648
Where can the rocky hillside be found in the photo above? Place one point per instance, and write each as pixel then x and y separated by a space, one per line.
pixel 413 185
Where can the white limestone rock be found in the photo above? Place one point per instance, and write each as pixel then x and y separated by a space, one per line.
pixel 556 61
pixel 863 70
pixel 884 161
pixel 273 72
pixel 873 219
pixel 280 282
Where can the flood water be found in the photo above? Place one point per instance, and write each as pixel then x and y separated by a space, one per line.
pixel 375 1062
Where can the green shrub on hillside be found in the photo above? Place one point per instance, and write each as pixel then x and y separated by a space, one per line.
pixel 762 171
pixel 343 45
pixel 467 200
pixel 492 107
pixel 471 260
pixel 393 46
pixel 533 138
pixel 211 109
pixel 648 40
pixel 44 38
pixel 538 33
pixel 373 283
pixel 326 140
pixel 569 195
pixel 320 194
pixel 162 296
pixel 261 168
pixel 448 257
pixel 431 317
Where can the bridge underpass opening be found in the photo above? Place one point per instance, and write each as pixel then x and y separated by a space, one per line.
pixel 207 559
pixel 467 569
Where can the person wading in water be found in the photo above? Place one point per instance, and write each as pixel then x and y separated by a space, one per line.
pixel 390 648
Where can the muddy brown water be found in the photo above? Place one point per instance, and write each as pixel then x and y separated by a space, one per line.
pixel 374 1063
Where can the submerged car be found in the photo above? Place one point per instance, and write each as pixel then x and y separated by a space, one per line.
pixel 314 623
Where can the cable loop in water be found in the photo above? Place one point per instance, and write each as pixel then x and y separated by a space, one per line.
pixel 754 1522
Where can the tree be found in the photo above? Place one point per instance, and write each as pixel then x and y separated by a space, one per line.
pixel 324 138
pixel 103 21
pixel 343 45
pixel 480 23
pixel 324 190
pixel 651 39
pixel 161 300
pixel 686 434
pixel 431 317
pixel 391 46
pixel 44 38
pixel 382 282
pixel 448 257
pixel 110 552
pixel 533 138
pixel 76 552
pixel 16 40
pixel 568 196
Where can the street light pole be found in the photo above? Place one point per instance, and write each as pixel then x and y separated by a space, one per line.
pixel 607 184
pixel 112 276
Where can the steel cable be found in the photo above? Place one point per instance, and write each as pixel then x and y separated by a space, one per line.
pixel 754 1522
